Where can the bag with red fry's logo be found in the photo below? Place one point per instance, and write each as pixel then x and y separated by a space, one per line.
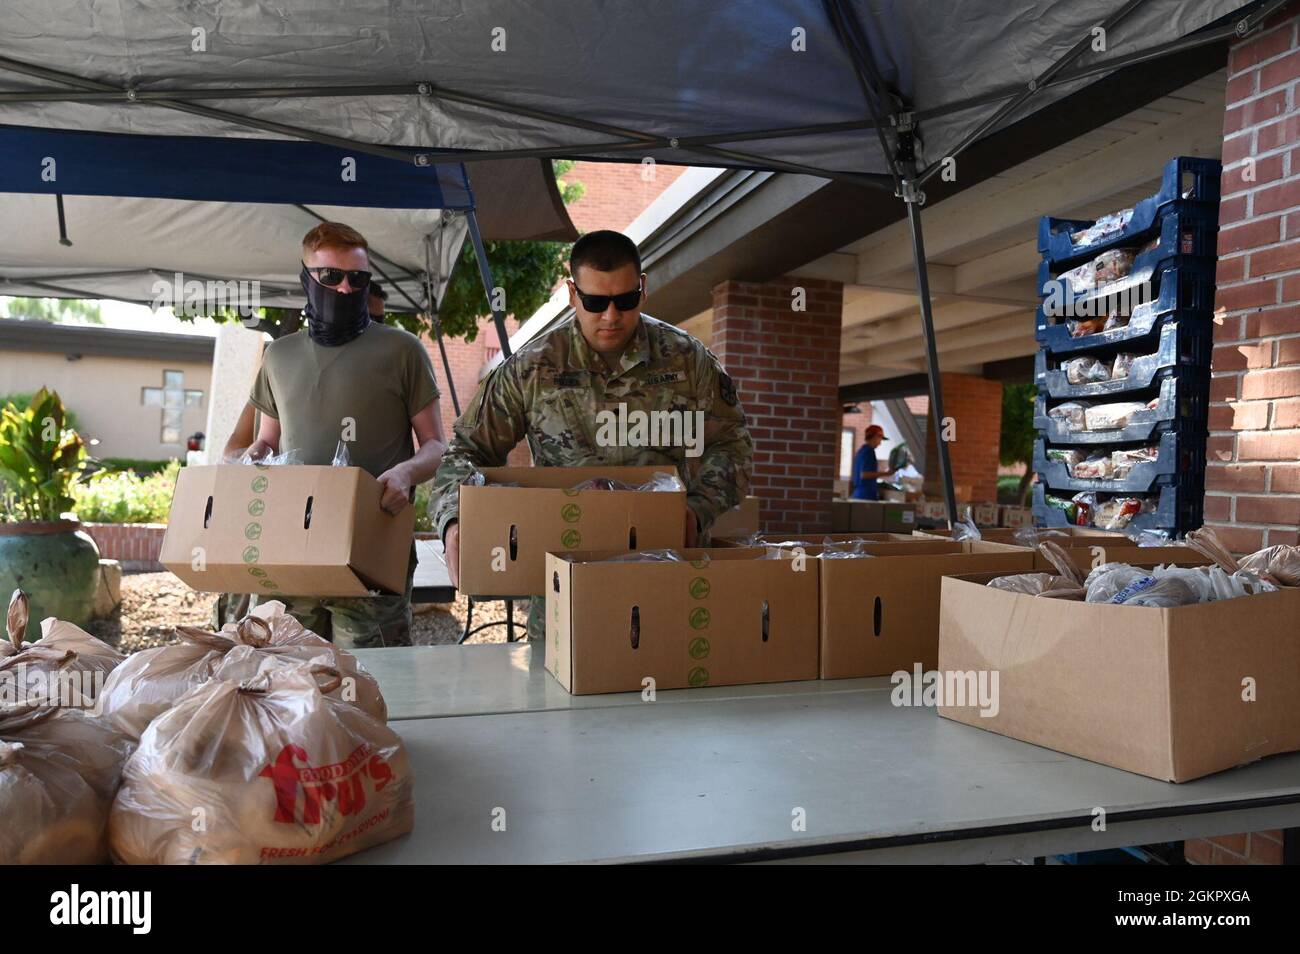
pixel 150 681
pixel 274 770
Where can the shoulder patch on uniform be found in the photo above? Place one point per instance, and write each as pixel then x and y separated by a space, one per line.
pixel 727 388
pixel 665 377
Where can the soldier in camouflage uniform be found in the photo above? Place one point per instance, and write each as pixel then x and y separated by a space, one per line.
pixel 608 354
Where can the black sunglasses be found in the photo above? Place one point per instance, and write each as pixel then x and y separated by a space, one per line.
pixel 330 277
pixel 598 303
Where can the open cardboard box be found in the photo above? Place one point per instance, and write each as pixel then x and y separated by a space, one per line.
pixel 1174 694
pixel 872 516
pixel 295 530
pixel 812 539
pixel 506 532
pixel 881 615
pixel 737 618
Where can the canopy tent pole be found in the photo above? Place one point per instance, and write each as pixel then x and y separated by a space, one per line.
pixel 485 273
pixel 433 305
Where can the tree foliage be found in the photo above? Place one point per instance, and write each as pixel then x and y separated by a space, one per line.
pixel 1017 424
pixel 52 309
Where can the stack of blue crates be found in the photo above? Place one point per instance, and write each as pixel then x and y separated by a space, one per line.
pixel 1158 316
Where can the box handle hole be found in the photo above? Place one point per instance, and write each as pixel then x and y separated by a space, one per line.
pixel 207 513
pixel 635 631
pixel 631 538
pixel 514 542
pixel 767 620
pixel 555 580
pixel 876 617
pixel 306 514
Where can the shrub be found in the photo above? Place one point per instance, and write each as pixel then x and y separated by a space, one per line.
pixel 126 497
pixel 423 522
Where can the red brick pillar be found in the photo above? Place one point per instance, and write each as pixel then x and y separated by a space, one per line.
pixel 786 367
pixel 975 406
pixel 1253 478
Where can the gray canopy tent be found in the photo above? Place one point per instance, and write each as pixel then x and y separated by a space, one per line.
pixel 884 94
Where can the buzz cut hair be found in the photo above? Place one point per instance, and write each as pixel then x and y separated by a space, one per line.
pixel 333 235
pixel 604 250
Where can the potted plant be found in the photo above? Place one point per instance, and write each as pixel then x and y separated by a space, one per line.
pixel 43 549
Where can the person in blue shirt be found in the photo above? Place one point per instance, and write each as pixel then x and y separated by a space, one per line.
pixel 865 466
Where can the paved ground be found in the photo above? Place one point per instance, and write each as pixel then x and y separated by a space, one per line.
pixel 154 603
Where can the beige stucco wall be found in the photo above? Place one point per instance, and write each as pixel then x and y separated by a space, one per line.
pixel 105 393
pixel 236 359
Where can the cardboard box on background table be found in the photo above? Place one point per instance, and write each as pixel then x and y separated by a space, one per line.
pixel 739 521
pixel 881 615
pixel 728 617
pixel 543 514
pixel 292 530
pixel 1153 691
pixel 872 516
pixel 985 514
pixel 1015 517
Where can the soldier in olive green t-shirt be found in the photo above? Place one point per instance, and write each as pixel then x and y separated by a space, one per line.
pixel 345 377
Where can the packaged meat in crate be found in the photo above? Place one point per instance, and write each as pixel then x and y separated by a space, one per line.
pixel 1129 468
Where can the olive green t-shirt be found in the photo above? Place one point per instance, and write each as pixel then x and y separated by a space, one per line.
pixel 371 386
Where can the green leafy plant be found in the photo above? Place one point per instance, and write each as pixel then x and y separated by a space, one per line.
pixel 1017 442
pixel 40 460
pixel 140 467
pixel 423 522
pixel 52 309
pixel 127 497
pixel 22 401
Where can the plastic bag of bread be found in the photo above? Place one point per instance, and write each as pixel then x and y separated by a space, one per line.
pixel 1086 370
pixel 1094 467
pixel 1071 414
pixel 1113 265
pixel 1106 226
pixel 59 770
pixel 150 681
pixel 270 771
pixel 65 667
pixel 1111 417
pixel 1281 563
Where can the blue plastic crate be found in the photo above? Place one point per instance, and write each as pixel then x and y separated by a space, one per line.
pixel 1182 404
pixel 1174 511
pixel 1197 179
pixel 1183 291
pixel 1179 345
pixel 1186 236
pixel 1181 460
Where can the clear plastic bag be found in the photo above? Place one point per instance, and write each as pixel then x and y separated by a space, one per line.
pixel 663 482
pixel 1116 513
pixel 1111 417
pixel 1028 584
pixel 342 456
pixel 1070 458
pixel 282 458
pixel 1085 505
pixel 1123 461
pixel 649 556
pixel 1080 279
pixel 65 667
pixel 1112 265
pixel 1114 320
pixel 1105 581
pixel 1033 536
pixel 843 549
pixel 1121 366
pixel 1085 371
pixel 284 772
pixel 1281 562
pixel 1079 327
pixel 1149 538
pixel 1103 228
pixel 1098 466
pixel 1073 414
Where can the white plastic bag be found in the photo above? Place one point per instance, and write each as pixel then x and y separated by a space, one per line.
pixel 1111 417
pixel 278 771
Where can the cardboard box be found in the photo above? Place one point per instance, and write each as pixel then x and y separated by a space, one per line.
pixel 1087 554
pixel 506 532
pixel 881 615
pixel 1153 691
pixel 985 514
pixel 872 516
pixel 737 618
pixel 812 539
pixel 292 530
pixel 1016 517
pixel 739 520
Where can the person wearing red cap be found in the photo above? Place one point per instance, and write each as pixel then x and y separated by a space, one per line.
pixel 865 466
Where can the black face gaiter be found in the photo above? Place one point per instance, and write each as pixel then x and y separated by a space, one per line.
pixel 334 318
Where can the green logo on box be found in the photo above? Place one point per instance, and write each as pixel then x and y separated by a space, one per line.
pixel 270 585
pixel 251 554
pixel 256 507
pixel 253 531
pixel 570 539
pixel 699 648
pixel 570 492
pixel 699 676
pixel 699 618
pixel 256 571
pixel 570 513
pixel 260 483
pixel 699 588
pixel 699 564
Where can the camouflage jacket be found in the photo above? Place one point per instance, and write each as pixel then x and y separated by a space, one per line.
pixel 561 396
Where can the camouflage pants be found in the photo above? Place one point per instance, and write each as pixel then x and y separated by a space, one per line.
pixel 361 622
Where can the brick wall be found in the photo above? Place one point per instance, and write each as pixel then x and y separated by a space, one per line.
pixel 975 405
pixel 615 193
pixel 1253 478
pixel 135 545
pixel 1248 848
pixel 785 365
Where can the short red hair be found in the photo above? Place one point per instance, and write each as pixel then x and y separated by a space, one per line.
pixel 332 235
